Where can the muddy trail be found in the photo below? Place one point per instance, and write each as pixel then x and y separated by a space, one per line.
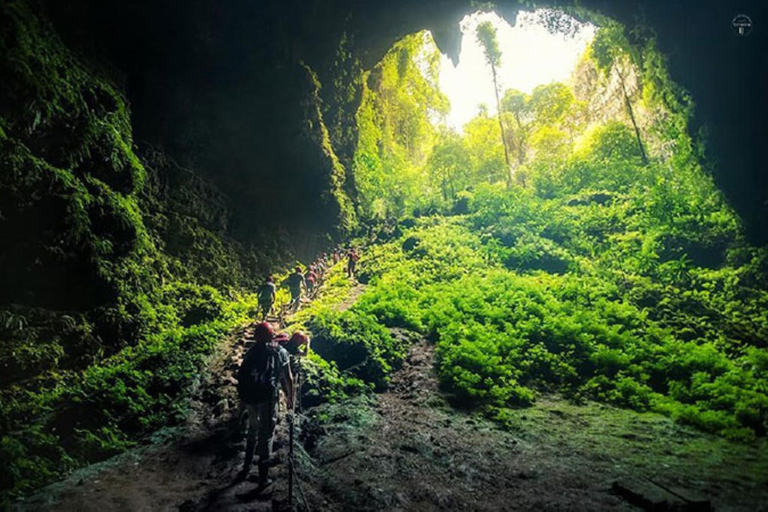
pixel 408 449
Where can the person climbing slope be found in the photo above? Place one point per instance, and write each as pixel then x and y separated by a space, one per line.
pixel 295 283
pixel 310 278
pixel 266 294
pixel 352 258
pixel 264 370
pixel 297 346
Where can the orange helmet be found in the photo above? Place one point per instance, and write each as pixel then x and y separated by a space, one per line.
pixel 299 338
pixel 263 332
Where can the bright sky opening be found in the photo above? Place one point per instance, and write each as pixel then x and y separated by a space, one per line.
pixel 530 56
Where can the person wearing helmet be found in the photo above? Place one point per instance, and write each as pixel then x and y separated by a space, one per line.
pixel 295 283
pixel 310 278
pixel 266 295
pixel 298 344
pixel 264 370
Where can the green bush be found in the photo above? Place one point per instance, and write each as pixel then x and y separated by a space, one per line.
pixel 357 344
pixel 590 331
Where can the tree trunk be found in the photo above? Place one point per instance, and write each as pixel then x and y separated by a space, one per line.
pixel 510 178
pixel 631 113
pixel 521 141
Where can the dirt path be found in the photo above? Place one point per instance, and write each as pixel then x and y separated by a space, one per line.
pixel 414 453
pixel 354 293
pixel 196 469
pixel 190 468
pixel 407 449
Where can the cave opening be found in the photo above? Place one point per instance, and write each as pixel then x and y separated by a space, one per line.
pixel 534 206
pixel 527 106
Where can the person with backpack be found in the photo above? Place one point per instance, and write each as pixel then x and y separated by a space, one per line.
pixel 265 369
pixel 295 283
pixel 310 278
pixel 352 258
pixel 266 294
pixel 297 347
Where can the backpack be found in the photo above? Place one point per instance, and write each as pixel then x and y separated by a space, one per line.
pixel 258 376
pixel 265 293
pixel 294 280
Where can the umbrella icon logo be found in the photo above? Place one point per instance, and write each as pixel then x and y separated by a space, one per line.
pixel 742 24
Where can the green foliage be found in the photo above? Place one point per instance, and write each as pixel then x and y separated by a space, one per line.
pixel 482 140
pixel 357 344
pixel 606 275
pixel 325 383
pixel 395 129
pixel 105 318
pixel 502 335
pixel 486 36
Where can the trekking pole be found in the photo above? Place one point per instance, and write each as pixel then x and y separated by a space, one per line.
pixel 292 467
pixel 290 463
pixel 290 448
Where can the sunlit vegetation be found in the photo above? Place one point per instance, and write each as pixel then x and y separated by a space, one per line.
pixel 612 270
pixel 396 132
pixel 596 260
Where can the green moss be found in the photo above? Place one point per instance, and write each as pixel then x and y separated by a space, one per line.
pixel 106 321
pixel 336 193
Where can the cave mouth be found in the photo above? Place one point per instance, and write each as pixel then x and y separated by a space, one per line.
pixel 533 54
pixel 512 98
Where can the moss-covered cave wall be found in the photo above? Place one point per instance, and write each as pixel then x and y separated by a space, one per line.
pixel 119 272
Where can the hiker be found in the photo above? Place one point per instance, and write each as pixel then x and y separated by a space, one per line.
pixel 266 294
pixel 295 283
pixel 310 278
pixel 298 345
pixel 264 370
pixel 352 258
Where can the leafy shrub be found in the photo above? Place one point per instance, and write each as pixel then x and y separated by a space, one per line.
pixel 621 338
pixel 356 343
pixel 194 304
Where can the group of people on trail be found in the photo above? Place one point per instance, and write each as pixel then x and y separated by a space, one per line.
pixel 270 365
pixel 309 280
pixel 299 281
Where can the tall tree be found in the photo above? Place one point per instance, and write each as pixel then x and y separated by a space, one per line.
pixel 395 131
pixel 610 47
pixel 486 36
pixel 450 164
pixel 518 104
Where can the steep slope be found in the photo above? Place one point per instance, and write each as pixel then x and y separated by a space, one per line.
pixel 407 448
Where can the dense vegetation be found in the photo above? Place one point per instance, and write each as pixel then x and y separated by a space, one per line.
pixel 118 276
pixel 611 270
pixel 608 267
